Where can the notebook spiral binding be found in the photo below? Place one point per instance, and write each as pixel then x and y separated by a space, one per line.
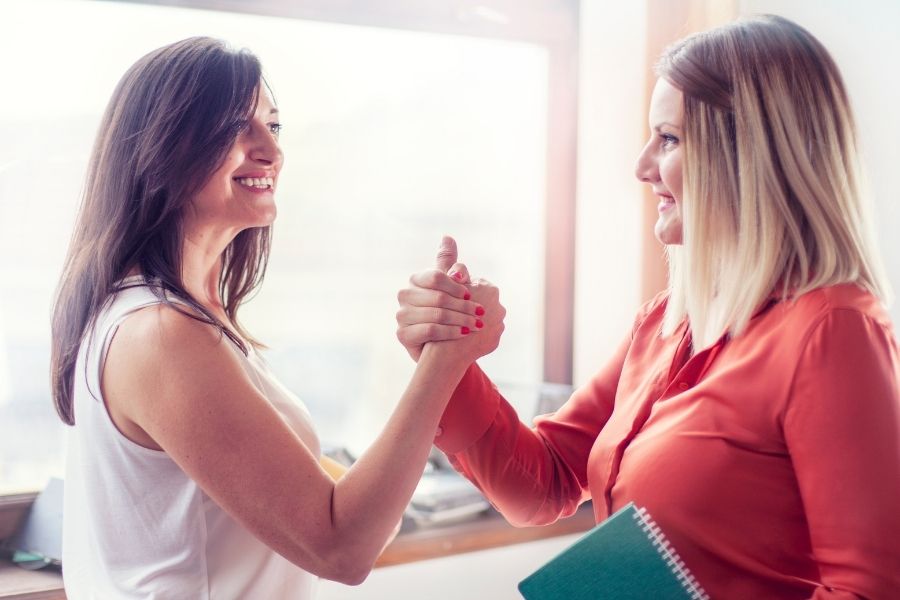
pixel 668 553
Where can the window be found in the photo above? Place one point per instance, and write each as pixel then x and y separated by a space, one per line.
pixel 392 138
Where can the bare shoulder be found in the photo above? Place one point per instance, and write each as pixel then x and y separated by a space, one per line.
pixel 177 385
pixel 160 329
pixel 160 346
pixel 163 364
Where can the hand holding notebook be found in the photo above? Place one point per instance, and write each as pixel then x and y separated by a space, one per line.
pixel 624 557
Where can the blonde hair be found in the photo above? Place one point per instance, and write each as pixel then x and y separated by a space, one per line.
pixel 772 186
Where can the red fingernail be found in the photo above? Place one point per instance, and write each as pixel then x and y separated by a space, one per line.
pixel 457 275
pixel 465 330
pixel 467 296
pixel 478 323
pixel 479 311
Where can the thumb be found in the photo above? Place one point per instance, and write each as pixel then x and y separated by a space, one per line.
pixel 446 256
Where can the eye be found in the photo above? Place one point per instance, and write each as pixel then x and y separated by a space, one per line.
pixel 275 128
pixel 668 140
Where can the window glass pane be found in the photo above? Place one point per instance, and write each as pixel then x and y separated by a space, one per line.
pixel 392 138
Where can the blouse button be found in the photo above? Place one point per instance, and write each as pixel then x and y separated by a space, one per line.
pixel 683 386
pixel 439 431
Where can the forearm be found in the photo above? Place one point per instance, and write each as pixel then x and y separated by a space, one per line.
pixel 517 471
pixel 372 496
pixel 516 467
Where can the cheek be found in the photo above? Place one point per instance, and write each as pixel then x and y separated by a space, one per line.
pixel 230 164
pixel 218 184
pixel 220 181
pixel 670 173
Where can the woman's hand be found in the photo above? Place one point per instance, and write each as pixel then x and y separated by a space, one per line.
pixel 469 348
pixel 437 306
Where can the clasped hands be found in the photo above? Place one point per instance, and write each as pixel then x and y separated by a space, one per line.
pixel 462 318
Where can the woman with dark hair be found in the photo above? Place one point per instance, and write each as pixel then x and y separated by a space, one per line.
pixel 754 408
pixel 191 472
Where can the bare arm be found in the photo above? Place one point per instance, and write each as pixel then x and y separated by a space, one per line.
pixel 182 388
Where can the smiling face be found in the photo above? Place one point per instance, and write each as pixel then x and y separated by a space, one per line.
pixel 659 163
pixel 241 193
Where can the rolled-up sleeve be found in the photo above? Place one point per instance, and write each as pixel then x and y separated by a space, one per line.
pixel 532 475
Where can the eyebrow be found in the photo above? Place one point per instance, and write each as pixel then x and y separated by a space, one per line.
pixel 660 125
pixel 273 111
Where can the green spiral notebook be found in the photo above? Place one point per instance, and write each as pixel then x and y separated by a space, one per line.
pixel 626 557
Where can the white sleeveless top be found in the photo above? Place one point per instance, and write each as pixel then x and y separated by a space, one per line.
pixel 135 525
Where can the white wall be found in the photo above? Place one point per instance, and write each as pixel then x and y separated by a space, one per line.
pixel 863 36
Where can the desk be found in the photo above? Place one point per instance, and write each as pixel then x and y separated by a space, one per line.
pixel 487 531
pixel 19 584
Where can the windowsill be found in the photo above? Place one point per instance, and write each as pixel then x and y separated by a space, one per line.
pixel 490 530
pixel 487 531
pixel 19 584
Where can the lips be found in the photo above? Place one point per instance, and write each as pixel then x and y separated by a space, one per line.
pixel 259 183
pixel 665 202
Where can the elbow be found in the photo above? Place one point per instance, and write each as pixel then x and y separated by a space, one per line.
pixel 340 554
pixel 519 521
pixel 519 516
pixel 346 569
pixel 356 578
pixel 351 564
pixel 332 560
pixel 523 514
pixel 343 560
pixel 538 514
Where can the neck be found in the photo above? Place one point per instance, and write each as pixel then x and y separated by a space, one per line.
pixel 201 266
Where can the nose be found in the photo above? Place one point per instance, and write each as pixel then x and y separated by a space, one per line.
pixel 265 148
pixel 646 169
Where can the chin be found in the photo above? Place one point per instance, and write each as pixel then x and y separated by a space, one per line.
pixel 269 218
pixel 265 216
pixel 669 236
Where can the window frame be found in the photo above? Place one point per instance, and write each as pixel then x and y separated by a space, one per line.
pixel 552 24
pixel 549 23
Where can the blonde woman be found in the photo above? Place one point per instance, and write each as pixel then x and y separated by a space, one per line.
pixel 754 407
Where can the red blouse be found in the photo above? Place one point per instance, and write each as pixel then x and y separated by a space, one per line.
pixel 771 461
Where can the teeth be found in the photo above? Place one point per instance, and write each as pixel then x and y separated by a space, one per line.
pixel 261 183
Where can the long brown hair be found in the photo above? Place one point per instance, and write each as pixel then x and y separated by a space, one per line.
pixel 168 126
pixel 773 193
